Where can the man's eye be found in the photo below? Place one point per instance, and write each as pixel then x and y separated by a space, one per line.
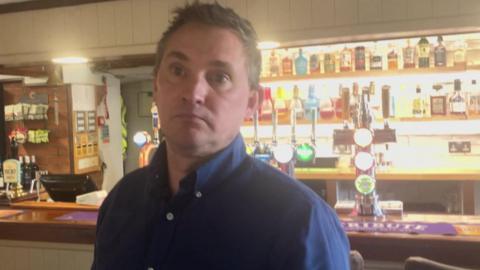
pixel 177 70
pixel 219 78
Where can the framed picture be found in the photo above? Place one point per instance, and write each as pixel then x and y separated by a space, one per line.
pixel 438 105
pixel 80 121
pixel 144 104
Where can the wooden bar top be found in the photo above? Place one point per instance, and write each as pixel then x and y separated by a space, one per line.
pixel 40 222
pixel 417 174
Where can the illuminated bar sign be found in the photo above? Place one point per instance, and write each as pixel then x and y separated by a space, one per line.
pixel 11 171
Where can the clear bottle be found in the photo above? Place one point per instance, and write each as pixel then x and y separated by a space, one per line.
pixel 314 63
pixel 311 103
pixel 417 103
pixel 376 59
pixel 301 63
pixel 360 58
pixel 267 104
pixel 474 100
pixel 329 62
pixel 409 56
pixel 281 103
pixel 423 53
pixel 287 64
pixel 459 58
pixel 440 53
pixel 457 100
pixel 346 60
pixel 297 103
pixel 274 64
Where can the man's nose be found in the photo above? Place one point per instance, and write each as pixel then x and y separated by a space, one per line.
pixel 196 90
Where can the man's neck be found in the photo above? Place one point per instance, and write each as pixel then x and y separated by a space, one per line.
pixel 179 166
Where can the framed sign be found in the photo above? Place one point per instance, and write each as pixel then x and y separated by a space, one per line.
pixel 91 121
pixel 80 121
pixel 438 105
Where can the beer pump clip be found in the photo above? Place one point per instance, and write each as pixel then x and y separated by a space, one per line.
pixel 306 152
pixel 285 153
pixel 258 150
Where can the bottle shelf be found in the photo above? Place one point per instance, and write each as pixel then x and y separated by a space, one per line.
pixel 371 73
pixel 286 121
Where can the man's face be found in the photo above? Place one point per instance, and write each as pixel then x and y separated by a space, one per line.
pixel 202 89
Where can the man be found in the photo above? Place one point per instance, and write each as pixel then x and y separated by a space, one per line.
pixel 203 203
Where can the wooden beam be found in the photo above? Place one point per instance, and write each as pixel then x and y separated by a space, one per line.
pixel 44 4
pixel 40 70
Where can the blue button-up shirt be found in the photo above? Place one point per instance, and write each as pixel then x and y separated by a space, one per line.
pixel 233 212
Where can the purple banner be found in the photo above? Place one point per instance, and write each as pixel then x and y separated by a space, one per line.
pixel 79 216
pixel 399 227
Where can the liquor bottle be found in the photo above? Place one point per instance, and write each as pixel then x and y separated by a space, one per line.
pixel 34 168
pixel 417 103
pixel 440 53
pixel 345 102
pixel 274 64
pixel 346 59
pixel 287 64
pixel 392 58
pixel 423 53
pixel 438 101
pixel 457 100
pixel 326 105
pixel 14 147
pixel 314 63
pixel 474 100
pixel 297 103
pixel 311 103
pixel 281 103
pixel 386 98
pixel 2 183
pixel 27 173
pixel 459 59
pixel 301 63
pixel 359 58
pixel 329 62
pixel 22 170
pixel 376 59
pixel 409 56
pixel 267 104
pixel 354 102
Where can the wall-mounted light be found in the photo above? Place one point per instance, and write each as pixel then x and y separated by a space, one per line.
pixel 70 60
pixel 267 45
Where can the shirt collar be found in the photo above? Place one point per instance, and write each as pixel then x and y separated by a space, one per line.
pixel 208 175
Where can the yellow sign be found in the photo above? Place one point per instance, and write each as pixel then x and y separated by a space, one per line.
pixel 11 171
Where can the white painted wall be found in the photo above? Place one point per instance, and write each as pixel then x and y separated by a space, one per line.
pixel 133 26
pixel 111 152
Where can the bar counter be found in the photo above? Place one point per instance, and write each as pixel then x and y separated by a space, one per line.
pixel 33 221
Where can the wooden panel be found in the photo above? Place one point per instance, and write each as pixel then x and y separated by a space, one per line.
pixel 257 13
pixel 323 13
pixel 123 23
pixel 445 8
pixel 280 10
pixel 346 12
pixel 54 156
pixel 394 10
pixel 301 14
pixel 141 21
pixel 106 24
pixel 89 25
pixel 73 28
pixel 158 19
pixel 418 9
pixel 468 197
pixel 369 11
pixel 469 6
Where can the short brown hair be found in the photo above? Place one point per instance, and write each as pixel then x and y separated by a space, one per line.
pixel 216 15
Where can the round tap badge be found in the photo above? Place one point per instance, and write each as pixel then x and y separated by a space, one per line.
pixel 365 184
pixel 305 152
pixel 283 153
pixel 364 161
pixel 363 137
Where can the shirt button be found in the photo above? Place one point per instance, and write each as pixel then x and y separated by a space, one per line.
pixel 198 194
pixel 156 176
pixel 169 216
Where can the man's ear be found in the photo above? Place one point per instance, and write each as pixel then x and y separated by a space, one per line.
pixel 255 100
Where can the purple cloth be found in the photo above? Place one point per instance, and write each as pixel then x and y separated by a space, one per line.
pixel 79 216
pixel 400 227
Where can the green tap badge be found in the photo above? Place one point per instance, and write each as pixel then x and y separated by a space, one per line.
pixel 365 184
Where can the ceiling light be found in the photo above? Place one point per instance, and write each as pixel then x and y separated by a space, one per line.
pixel 70 60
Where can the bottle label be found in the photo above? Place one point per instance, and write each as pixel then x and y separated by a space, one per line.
pixel 458 107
